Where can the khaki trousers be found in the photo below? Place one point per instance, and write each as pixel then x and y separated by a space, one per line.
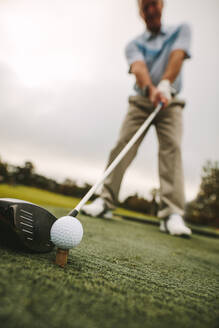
pixel 168 125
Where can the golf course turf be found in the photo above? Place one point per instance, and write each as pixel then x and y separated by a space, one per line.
pixel 123 274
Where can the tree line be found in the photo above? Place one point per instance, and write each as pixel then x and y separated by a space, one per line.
pixel 204 209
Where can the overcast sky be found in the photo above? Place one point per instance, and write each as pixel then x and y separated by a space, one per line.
pixel 64 87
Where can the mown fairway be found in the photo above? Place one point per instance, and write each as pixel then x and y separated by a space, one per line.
pixel 123 274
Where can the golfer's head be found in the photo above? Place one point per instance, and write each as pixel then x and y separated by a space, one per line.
pixel 151 12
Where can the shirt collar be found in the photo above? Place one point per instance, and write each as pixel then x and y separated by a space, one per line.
pixel 149 34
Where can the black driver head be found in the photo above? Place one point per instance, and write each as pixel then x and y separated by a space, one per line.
pixel 28 222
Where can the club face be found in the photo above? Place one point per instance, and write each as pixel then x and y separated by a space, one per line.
pixel 30 222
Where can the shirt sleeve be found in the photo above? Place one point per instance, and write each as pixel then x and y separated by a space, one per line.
pixel 134 52
pixel 183 40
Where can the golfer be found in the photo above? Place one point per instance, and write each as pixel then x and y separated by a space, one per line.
pixel 156 59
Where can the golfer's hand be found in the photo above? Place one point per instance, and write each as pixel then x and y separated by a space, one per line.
pixel 156 96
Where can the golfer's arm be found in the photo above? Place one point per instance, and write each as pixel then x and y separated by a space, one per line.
pixel 140 70
pixel 174 65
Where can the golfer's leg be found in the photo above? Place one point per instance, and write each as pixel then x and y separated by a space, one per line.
pixel 133 120
pixel 169 131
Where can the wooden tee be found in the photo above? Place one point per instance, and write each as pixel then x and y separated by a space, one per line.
pixel 61 257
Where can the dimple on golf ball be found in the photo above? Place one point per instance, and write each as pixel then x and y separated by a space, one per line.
pixel 66 232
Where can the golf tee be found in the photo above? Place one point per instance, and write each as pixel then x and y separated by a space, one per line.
pixel 61 257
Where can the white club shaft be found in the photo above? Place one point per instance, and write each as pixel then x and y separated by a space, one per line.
pixel 116 161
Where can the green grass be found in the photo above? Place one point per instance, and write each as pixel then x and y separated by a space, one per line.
pixel 123 274
pixel 49 199
pixel 37 196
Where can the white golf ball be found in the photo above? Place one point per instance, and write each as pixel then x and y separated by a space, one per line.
pixel 66 232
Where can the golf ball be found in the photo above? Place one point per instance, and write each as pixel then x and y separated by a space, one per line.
pixel 66 232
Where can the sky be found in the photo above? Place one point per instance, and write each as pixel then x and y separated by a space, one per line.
pixel 64 88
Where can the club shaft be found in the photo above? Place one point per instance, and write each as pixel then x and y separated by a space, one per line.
pixel 116 161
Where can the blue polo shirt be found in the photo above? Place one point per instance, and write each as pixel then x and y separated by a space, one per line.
pixel 154 50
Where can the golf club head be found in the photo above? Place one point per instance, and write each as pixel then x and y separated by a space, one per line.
pixel 29 222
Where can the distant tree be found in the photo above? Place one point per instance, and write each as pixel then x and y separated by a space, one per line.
pixel 205 208
pixel 29 167
pixel 155 194
pixel 24 174
pixel 4 176
pixel 68 187
pixel 138 204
